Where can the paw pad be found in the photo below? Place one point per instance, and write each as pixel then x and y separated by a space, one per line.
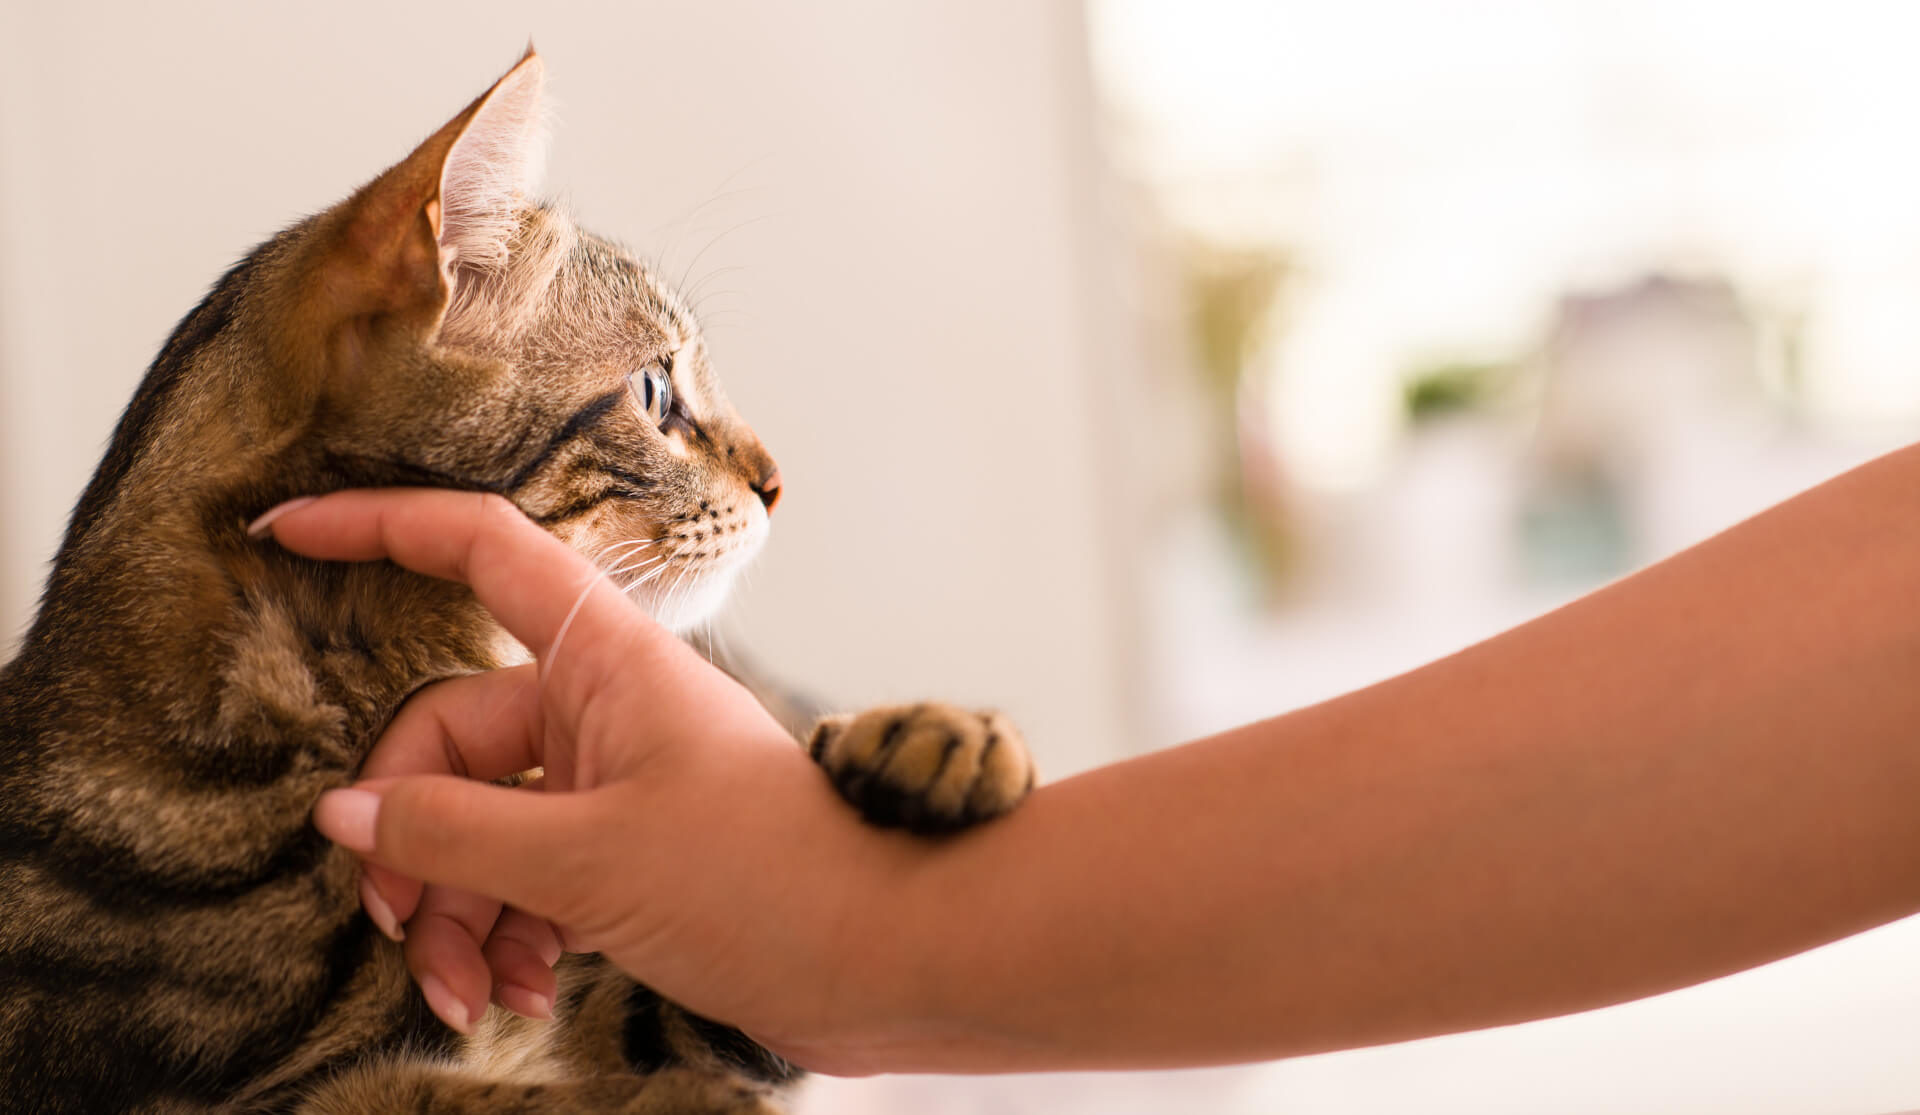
pixel 928 767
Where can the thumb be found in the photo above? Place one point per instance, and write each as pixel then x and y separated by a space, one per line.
pixel 536 851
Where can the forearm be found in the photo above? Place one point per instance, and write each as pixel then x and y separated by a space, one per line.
pixel 1706 766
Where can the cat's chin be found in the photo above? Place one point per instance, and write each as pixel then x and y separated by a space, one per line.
pixel 686 608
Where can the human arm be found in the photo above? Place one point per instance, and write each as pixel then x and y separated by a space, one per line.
pixel 1709 765
pixel 1703 767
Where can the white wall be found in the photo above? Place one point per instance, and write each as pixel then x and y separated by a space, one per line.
pixel 906 190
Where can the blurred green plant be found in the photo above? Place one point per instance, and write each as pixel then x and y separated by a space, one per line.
pixel 1455 387
pixel 1230 303
pixel 1232 296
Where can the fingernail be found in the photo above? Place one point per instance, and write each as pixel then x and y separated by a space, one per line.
pixel 379 911
pixel 525 1002
pixel 258 528
pixel 347 818
pixel 445 1004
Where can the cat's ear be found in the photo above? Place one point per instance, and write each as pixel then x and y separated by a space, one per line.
pixel 493 168
pixel 397 248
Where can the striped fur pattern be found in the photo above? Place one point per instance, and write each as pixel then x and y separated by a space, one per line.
pixel 174 935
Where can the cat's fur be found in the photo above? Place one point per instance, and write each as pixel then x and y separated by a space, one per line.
pixel 174 935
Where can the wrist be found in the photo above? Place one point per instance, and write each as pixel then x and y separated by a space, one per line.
pixel 944 958
pixel 900 980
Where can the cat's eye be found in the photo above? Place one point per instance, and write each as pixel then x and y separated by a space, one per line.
pixel 653 390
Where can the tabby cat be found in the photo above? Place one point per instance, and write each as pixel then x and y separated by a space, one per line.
pixel 174 934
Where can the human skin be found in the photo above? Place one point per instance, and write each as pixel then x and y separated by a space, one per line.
pixel 1703 767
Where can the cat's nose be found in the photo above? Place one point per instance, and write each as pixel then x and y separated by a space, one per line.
pixel 768 486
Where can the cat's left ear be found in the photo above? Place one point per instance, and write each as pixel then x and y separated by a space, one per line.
pixel 492 169
pixel 397 248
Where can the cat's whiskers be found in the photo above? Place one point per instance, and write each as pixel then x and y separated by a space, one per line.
pixel 715 318
pixel 553 652
pixel 718 637
pixel 684 275
pixel 692 293
pixel 699 307
pixel 663 592
pixel 615 574
pixel 673 601
pixel 627 549
pixel 684 223
pixel 651 575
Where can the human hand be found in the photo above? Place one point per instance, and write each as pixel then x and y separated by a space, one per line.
pixel 677 830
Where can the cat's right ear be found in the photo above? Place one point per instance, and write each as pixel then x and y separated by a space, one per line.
pixel 391 255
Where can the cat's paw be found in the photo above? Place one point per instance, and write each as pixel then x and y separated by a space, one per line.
pixel 928 767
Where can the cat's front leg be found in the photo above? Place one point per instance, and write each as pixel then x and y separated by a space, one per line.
pixel 929 767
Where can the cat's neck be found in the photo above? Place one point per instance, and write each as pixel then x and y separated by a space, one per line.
pixel 179 621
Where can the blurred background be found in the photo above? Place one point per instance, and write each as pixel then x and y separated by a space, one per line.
pixel 1140 366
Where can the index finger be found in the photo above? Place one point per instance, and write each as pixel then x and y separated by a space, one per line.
pixel 537 586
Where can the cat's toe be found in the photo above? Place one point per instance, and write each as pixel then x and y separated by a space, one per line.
pixel 927 767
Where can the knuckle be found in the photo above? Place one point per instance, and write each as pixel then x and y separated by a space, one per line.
pixel 498 514
pixel 493 503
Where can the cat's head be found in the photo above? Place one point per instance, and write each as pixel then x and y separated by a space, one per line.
pixel 440 327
